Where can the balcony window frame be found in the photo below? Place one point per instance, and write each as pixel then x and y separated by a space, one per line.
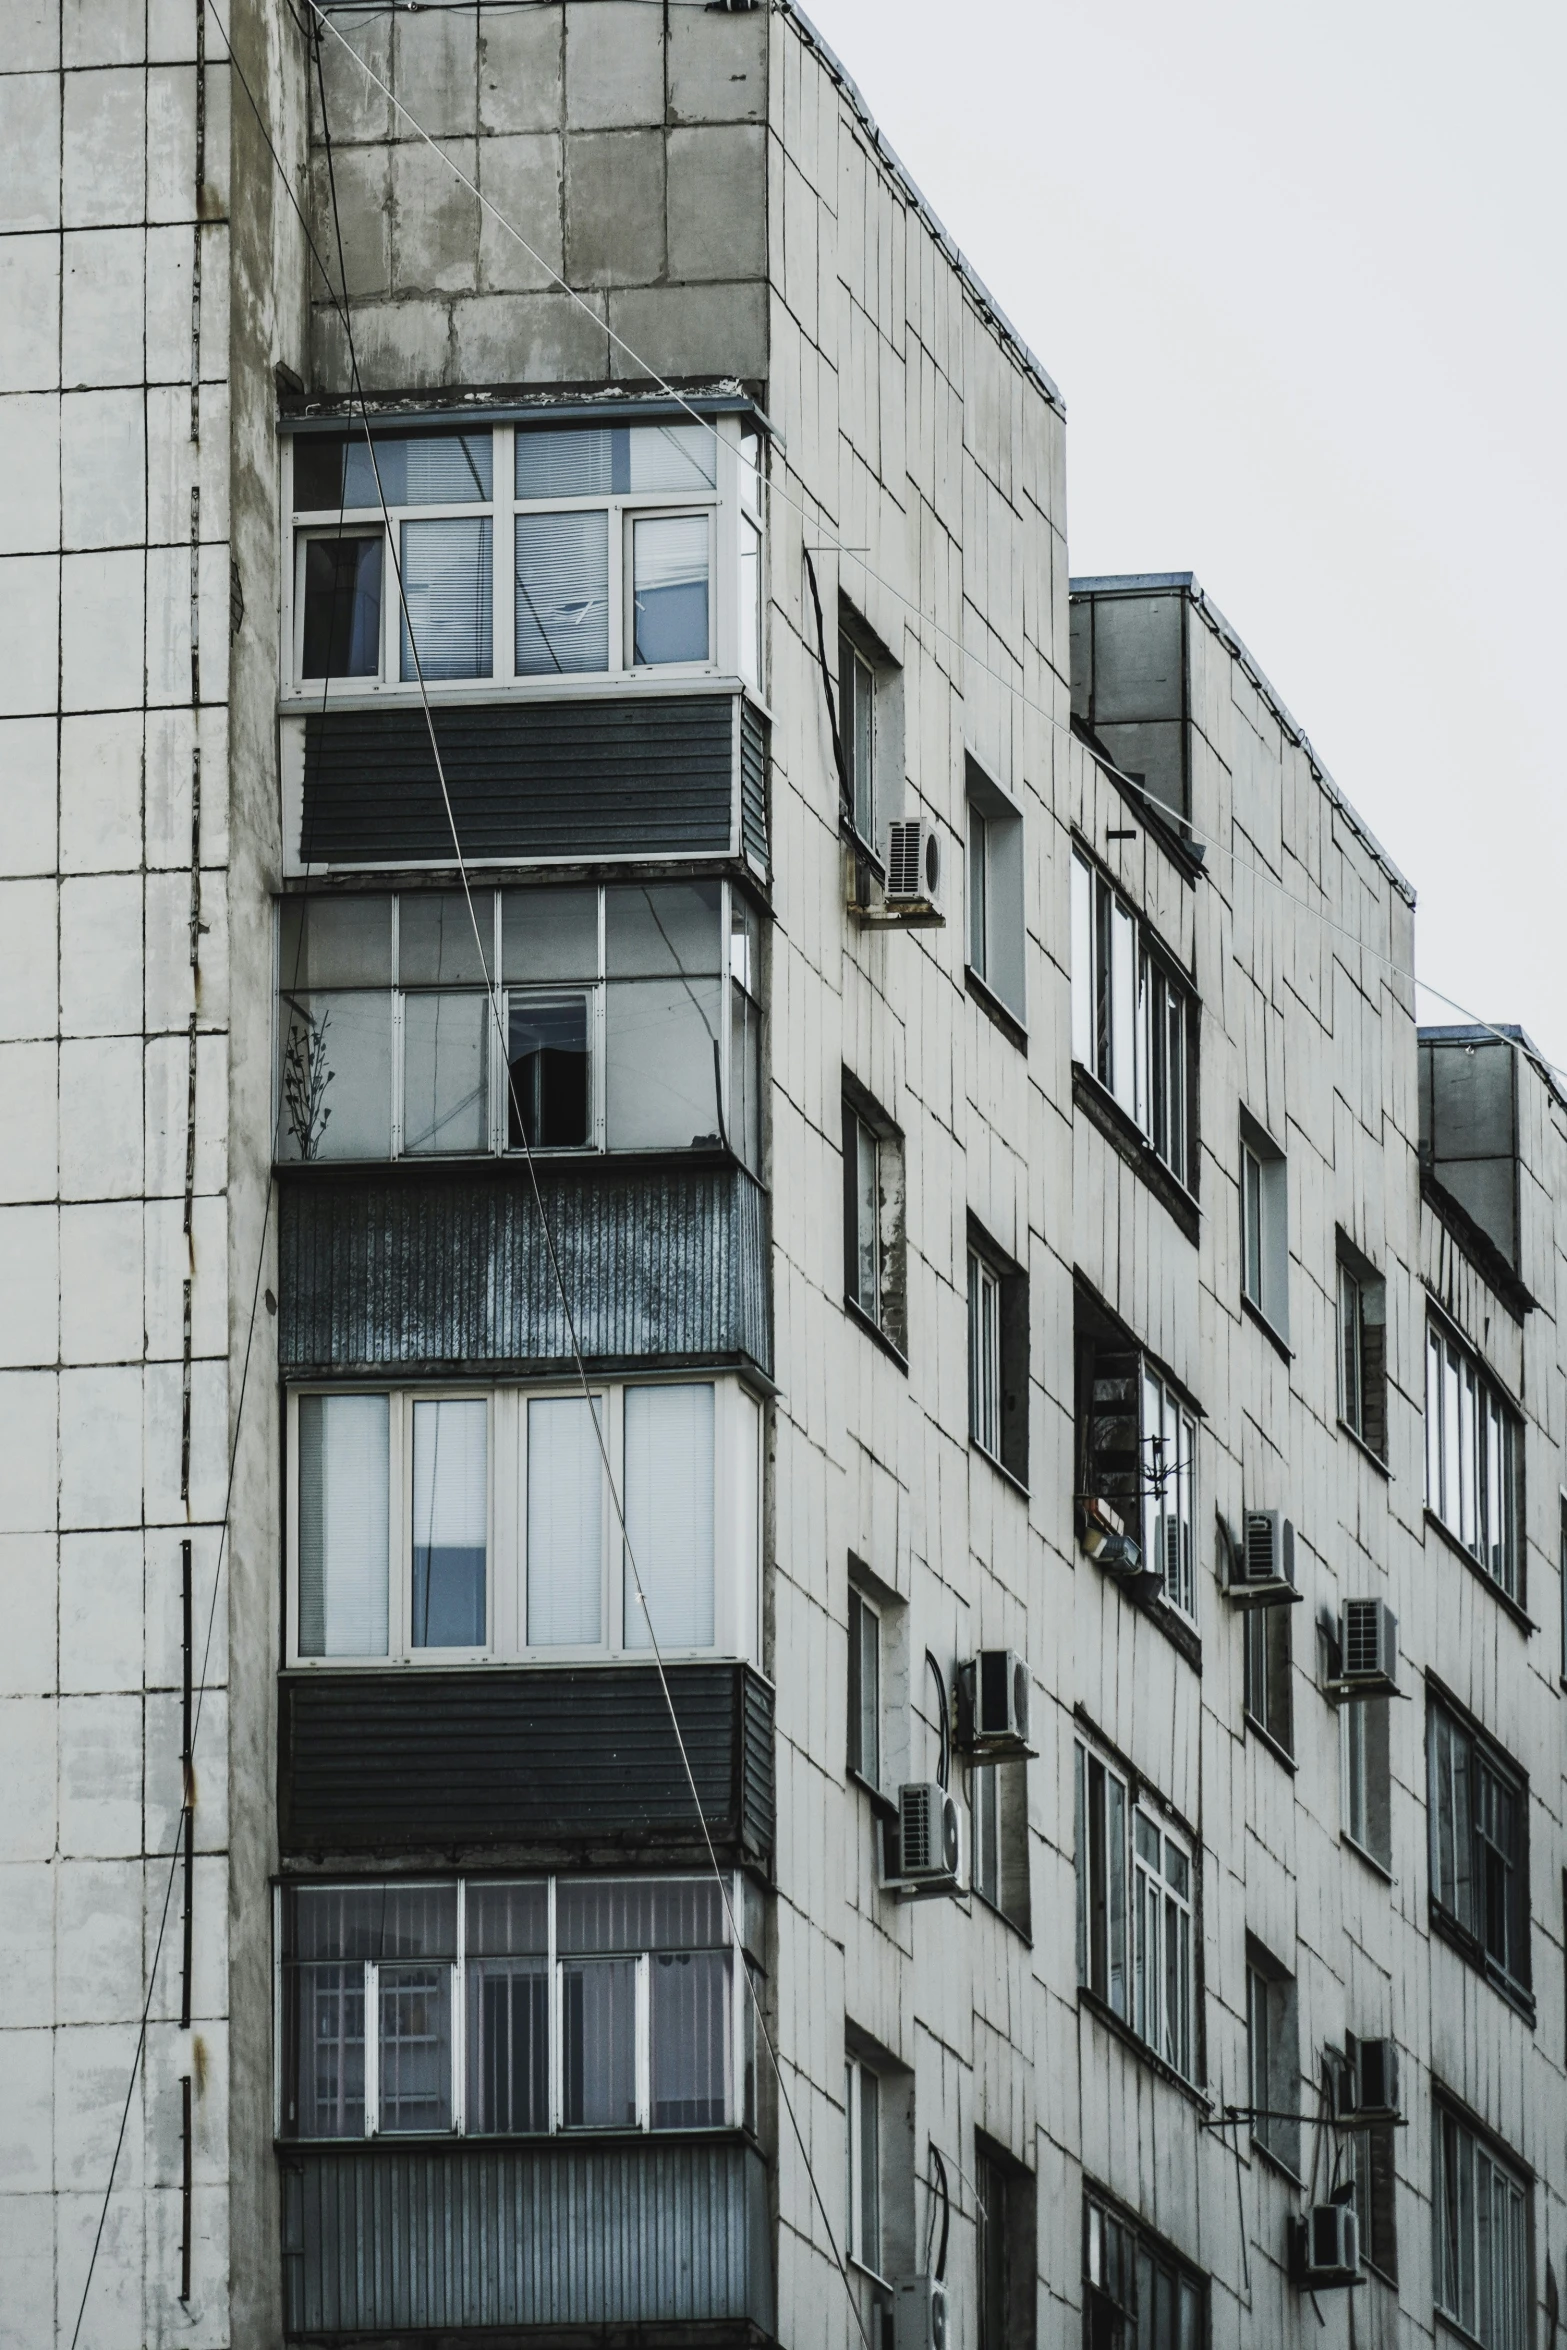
pixel 1474 1454
pixel 737 1422
pixel 1117 1888
pixel 1130 1004
pixel 1466 1769
pixel 1118 2251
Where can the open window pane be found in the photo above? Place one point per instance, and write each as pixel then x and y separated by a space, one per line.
pixel 342 619
pixel 550 1099
pixel 688 2029
pixel 565 1524
pixel 343 1525
pixel 562 593
pixel 446 587
pixel 661 1064
pixel 450 1524
pixel 669 1515
pixel 446 1058
pixel 669 563
pixel 599 2043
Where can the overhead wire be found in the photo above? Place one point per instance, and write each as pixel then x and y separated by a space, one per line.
pixel 899 595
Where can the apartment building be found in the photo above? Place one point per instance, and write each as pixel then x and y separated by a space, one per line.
pixel 781 1501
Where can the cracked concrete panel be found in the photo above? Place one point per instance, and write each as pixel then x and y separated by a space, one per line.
pixel 691 330
pixel 29 151
pixel 355 108
pixel 435 220
pixel 363 177
pixel 717 66
pixel 103 175
pixel 521 70
pixel 615 207
pixel 614 64
pixel 718 203
pixel 435 72
pixel 530 338
pixel 171 141
pixel 521 177
pixel 401 346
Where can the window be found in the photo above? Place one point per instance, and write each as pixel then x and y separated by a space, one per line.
pixel 1264 1227
pixel 475 1525
pixel 1479 1812
pixel 496 2009
pixel 1366 1777
pixel 1137 1450
pixel 1362 1350
pixel 1004 2249
pixel 1273 2053
pixel 1373 2162
pixel 995 891
pixel 617 1023
pixel 1269 1667
pixel 864 1688
pixel 857 732
pixel 1134 1910
pixel 605 554
pixel 998 1809
pixel 997 1355
pixel 1137 2293
pixel 1134 1022
pixel 862 2108
pixel 1482 2237
pixel 1473 1459
pixel 873 1215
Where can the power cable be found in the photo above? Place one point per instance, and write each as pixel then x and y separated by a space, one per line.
pixel 899 595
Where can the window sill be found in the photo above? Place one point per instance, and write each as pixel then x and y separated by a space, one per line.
pixel 1280 1754
pixel 1366 1451
pixel 1127 1139
pixel 1378 1868
pixel 1275 1337
pixel 1504 1599
pixel 304 699
pixel 872 1329
pixel 996 1011
pixel 1089 2002
pixel 1008 1476
pixel 512 1166
pixel 1458 1939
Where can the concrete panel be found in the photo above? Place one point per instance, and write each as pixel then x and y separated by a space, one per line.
pixel 102 654
pixel 691 330
pixel 521 70
pixel 718 203
pixel 614 64
pixel 27 959
pixel 101 955
pixel 28 1728
pixel 29 1276
pixel 99 1912
pixel 100 792
pixel 27 1942
pixel 529 338
pixel 100 1125
pixel 102 169
pixel 29 628
pixel 26 2112
pixel 435 71
pixel 30 493
pixel 1137 658
pixel 363 178
pixel 32 35
pixel 101 1310
pixel 522 178
pixel 28 826
pixel 101 1456
pixel 29 1148
pixel 355 108
pixel 29 150
pixel 28 1596
pixel 30 306
pixel 102 32
pixel 435 221
pixel 101 325
pixel 171 141
pixel 717 66
pixel 614 206
pixel 401 346
pixel 101 1587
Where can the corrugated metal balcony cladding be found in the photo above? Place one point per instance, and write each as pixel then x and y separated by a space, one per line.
pixel 753 786
pixel 530 1755
pixel 430 1274
pixel 386 2240
pixel 650 776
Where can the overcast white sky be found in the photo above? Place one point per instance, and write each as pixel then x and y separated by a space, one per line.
pixel 1300 275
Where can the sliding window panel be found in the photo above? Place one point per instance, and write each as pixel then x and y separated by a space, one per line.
pixel 335 1075
pixel 690 2040
pixel 508 2008
pixel 450 1524
pixel 598 1998
pixel 340 591
pixel 447 593
pixel 562 565
pixel 344 1487
pixel 549 1094
pixel 566 1525
pixel 670 562
pixel 662 1063
pixel 669 1516
pixel 446 1062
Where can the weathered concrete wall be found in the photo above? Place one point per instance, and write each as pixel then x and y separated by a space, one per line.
pixel 626 144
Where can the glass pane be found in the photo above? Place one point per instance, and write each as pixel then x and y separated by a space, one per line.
pixel 342 617
pixel 446 1060
pixel 669 1515
pixel 690 2040
pixel 1115 1872
pixel 328 2088
pixel 436 942
pixel 745 1079
pixel 508 2044
pixel 977 920
pixel 334 942
pixel 550 1096
pixel 566 461
pixel 562 593
pixel 373 1921
pixel 421 469
pixel 669 554
pixel 336 1076
pixel 318 472
pixel 343 1524
pixel 870 2169
pixel 598 1914
pixel 508 1921
pixel 1082 964
pixel 450 1524
pixel 599 2043
pixel 416 2047
pixel 661 1064
pixel 446 586
pixel 663 930
pixel 859 738
pixel 550 934
pixel 678 457
pixel 565 1524
pixel 867 1235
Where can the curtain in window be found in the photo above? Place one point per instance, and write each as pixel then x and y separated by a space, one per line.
pixel 343 1525
pixel 669 1514
pixel 450 1524
pixel 669 560
pixel 565 1524
pixel 571 461
pixel 446 586
pixel 562 593
pixel 507 1934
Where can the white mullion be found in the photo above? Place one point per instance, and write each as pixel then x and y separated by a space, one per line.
pixel 553 2021
pixel 372 2049
pixel 460 2017
pixel 503 607
pixel 644 2041
pixel 619 532
pixel 400 1527
pixel 392 590
pixel 617 1545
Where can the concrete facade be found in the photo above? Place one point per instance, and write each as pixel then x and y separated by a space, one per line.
pixel 710 185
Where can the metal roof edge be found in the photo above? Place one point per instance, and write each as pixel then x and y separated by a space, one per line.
pixel 588 405
pixel 1186 583
pixel 989 307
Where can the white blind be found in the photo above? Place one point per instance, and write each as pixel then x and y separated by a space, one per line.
pixel 343 1511
pixel 562 593
pixel 669 1514
pixel 451 1500
pixel 565 1524
pixel 446 585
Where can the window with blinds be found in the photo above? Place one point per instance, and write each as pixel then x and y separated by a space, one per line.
pixel 475 1526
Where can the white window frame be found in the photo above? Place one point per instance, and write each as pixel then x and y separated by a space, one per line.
pixel 1461 2290
pixel 740 2031
pixel 736 507
pixel 1151 1906
pixel 1474 1454
pixel 864 797
pixel 862 2080
pixel 1170 1490
pixel 737 1506
pixel 1117 970
pixel 994 915
pixel 864 1612
pixel 986 1368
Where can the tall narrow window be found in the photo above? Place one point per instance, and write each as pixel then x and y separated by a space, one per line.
pixel 862 2102
pixel 857 731
pixel 978 892
pixel 1362 1334
pixel 998 1805
pixel 1004 2249
pixel 1169 1442
pixel 864 1688
pixel 669 1516
pixel 867 1221
pixel 1482 2230
pixel 873 1215
pixel 1366 1777
pixel 984 1354
pixel 1268 1635
pixel 997 1354
pixel 1274 2049
pixel 1137 2293
pixel 1374 2168
pixel 1133 1019
pixel 1134 1911
pixel 343 1525
pixel 1479 1820
pixel 994 862
pixel 1264 1227
pixel 1472 1459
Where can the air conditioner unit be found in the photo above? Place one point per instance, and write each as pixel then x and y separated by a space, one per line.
pixel 1367 1650
pixel 930 1841
pixel 1262 1561
pixel 1325 2247
pixel 1108 1544
pixel 920 2315
pixel 1368 2083
pixel 993 1704
pixel 913 884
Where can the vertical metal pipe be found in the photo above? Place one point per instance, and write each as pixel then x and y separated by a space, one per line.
pixel 185 2186
pixel 187 1791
